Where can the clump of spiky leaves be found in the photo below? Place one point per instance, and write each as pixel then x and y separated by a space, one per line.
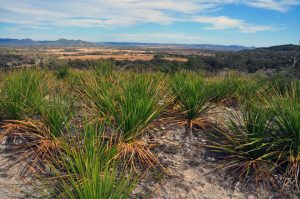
pixel 87 169
pixel 192 95
pixel 96 90
pixel 137 104
pixel 249 88
pixel 21 88
pixel 31 144
pixel 244 144
pixel 103 67
pixel 56 112
pixel 131 103
pixel 286 108
pixel 222 88
pixel 281 83
pixel 35 141
pixel 62 72
pixel 132 109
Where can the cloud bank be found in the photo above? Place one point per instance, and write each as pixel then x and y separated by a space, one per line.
pixel 118 13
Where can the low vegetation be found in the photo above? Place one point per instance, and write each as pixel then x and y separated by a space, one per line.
pixel 86 129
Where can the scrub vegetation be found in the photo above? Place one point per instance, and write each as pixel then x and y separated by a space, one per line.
pixel 85 129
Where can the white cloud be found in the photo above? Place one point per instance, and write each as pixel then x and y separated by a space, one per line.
pixel 279 5
pixel 223 22
pixel 112 13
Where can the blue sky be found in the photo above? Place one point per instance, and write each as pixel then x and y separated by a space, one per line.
pixel 242 22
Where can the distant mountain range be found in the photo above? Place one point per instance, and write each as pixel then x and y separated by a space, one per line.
pixel 29 42
pixel 6 42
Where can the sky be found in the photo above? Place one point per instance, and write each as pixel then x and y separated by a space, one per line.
pixel 229 22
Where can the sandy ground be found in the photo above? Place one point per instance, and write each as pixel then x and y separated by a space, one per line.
pixel 11 185
pixel 193 174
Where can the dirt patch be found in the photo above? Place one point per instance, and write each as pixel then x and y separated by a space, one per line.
pixel 191 173
pixel 11 185
pixel 179 59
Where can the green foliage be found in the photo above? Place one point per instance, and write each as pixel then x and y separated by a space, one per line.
pixel 282 83
pixel 103 67
pixel 266 140
pixel 22 92
pixel 244 145
pixel 62 72
pixel 55 113
pixel 286 109
pixel 192 94
pixel 249 88
pixel 87 170
pixel 133 104
pixel 195 63
pixel 97 91
pixel 222 88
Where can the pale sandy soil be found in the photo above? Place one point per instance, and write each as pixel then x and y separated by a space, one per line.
pixel 191 173
pixel 180 59
pixel 11 185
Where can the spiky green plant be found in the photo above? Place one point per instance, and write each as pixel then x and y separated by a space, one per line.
pixel 87 170
pixel 36 141
pixel 62 72
pixel 19 92
pixel 192 94
pixel 136 105
pixel 222 89
pixel 244 145
pixel 97 92
pixel 103 67
pixel 131 103
pixel 249 88
pixel 281 83
pixel 56 112
pixel 287 120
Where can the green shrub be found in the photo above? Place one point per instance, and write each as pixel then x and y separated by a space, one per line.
pixel 192 94
pixel 244 144
pixel 287 121
pixel 56 112
pixel 222 88
pixel 103 67
pixel 62 72
pixel 249 88
pixel 22 92
pixel 133 104
pixel 87 171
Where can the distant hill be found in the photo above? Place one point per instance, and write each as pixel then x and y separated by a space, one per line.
pixel 287 47
pixel 182 46
pixel 76 43
pixel 32 43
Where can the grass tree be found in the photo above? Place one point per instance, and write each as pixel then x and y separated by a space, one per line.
pixel 34 141
pixel 131 104
pixel 192 95
pixel 244 145
pixel 222 89
pixel 21 92
pixel 87 169
pixel 286 108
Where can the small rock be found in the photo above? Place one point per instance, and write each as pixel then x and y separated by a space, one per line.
pixel 251 196
pixel 176 137
pixel 202 140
